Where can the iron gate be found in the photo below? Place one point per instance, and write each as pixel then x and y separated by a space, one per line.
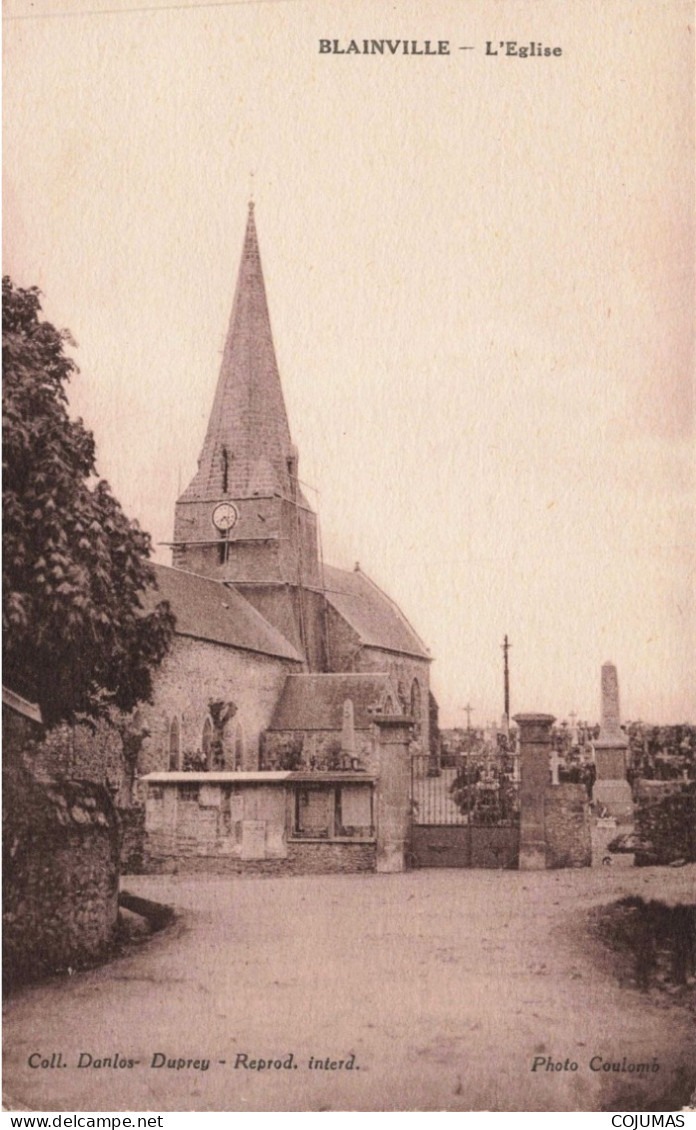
pixel 465 815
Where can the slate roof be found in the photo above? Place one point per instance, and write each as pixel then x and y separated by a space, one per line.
pixel 315 702
pixel 208 610
pixel 372 615
pixel 247 445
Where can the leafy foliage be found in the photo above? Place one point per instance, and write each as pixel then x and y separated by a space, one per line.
pixel 77 638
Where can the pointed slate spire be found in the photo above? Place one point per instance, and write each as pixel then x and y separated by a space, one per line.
pixel 247 448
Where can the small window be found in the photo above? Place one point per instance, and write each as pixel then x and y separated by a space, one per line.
pixel 188 793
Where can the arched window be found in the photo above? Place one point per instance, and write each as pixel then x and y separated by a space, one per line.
pixel 207 742
pixel 416 700
pixel 388 705
pixel 174 746
pixel 416 707
pixel 238 762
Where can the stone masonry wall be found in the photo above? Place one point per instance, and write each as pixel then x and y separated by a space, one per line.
pixel 567 826
pixel 302 859
pixel 83 753
pixel 131 839
pixel 60 862
pixel 195 672
pixel 241 828
pixel 191 675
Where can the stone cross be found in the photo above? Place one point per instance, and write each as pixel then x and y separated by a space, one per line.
pixel 348 729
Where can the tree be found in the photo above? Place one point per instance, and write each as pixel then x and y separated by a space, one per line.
pixel 78 638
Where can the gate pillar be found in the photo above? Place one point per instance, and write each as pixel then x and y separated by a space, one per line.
pixel 535 749
pixel 394 733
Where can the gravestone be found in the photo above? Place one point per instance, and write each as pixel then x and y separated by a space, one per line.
pixel 348 730
pixel 611 789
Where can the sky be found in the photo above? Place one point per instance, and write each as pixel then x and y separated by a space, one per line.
pixel 481 283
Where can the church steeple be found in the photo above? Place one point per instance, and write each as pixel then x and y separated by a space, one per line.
pixel 243 517
pixel 247 448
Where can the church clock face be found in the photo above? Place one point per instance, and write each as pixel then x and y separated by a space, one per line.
pixel 225 516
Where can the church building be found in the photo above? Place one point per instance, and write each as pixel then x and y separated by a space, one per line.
pixel 271 643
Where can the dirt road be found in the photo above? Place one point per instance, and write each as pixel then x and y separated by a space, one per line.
pixel 445 986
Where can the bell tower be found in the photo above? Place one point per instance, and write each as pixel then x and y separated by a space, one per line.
pixel 243 517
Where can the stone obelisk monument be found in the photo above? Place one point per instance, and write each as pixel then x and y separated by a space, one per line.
pixel 611 789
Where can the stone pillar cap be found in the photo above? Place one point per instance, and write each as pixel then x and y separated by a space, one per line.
pixel 534 718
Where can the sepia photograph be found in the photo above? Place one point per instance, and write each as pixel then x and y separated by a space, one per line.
pixel 349 557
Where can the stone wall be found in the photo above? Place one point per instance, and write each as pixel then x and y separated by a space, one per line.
pixel 321 858
pixel 224 826
pixel 131 840
pixel 666 827
pixel 567 826
pixel 84 753
pixel 191 675
pixel 302 859
pixel 60 861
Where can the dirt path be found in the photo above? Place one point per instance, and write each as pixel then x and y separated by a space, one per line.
pixel 444 985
